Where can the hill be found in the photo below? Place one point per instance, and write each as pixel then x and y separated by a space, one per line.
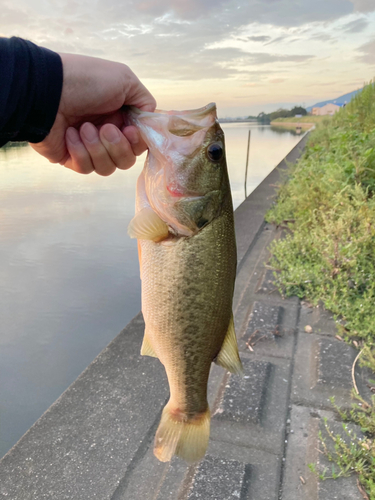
pixel 344 99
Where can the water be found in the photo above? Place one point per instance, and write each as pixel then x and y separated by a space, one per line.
pixel 69 277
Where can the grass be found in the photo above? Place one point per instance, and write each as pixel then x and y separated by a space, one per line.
pixel 328 256
pixel 328 205
pixel 352 455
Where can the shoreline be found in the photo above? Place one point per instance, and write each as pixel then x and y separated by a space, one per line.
pixel 306 125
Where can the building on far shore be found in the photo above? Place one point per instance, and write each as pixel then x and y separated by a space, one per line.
pixel 327 109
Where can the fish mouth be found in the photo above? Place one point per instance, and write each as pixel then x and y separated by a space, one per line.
pixel 177 191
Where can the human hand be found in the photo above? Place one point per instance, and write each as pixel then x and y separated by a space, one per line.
pixel 89 131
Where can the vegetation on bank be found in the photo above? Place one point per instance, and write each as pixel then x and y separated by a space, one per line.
pixel 329 207
pixel 304 122
pixel 267 118
pixel 328 255
pixel 292 127
pixel 302 119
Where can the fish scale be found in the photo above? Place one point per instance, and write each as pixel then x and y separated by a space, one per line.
pixel 187 304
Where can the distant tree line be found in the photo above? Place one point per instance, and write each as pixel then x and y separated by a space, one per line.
pixel 280 113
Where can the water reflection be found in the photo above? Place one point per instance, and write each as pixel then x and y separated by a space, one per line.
pixel 69 277
pixel 267 149
pixel 292 130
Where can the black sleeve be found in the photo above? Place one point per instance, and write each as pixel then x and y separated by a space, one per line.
pixel 30 89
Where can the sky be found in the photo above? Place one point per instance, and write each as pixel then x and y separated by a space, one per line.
pixel 247 56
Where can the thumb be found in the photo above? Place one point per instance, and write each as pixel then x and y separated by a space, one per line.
pixel 139 96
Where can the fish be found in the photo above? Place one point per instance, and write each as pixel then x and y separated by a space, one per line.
pixel 184 225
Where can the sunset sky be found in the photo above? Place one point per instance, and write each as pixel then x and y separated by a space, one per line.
pixel 247 55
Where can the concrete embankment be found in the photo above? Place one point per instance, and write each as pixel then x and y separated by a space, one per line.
pixel 96 441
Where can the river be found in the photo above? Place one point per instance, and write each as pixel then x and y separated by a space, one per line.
pixel 69 277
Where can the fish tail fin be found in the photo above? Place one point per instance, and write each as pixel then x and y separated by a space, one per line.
pixel 182 436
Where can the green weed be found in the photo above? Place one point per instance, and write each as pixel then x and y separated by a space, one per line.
pixel 327 206
pixel 351 454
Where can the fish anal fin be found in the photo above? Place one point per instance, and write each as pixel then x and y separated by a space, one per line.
pixel 147 225
pixel 228 356
pixel 182 436
pixel 147 349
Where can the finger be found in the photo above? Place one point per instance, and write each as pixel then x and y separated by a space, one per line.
pixel 151 106
pixel 79 159
pixel 141 98
pixel 118 146
pixel 100 157
pixel 133 135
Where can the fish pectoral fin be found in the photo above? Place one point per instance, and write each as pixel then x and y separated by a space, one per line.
pixel 228 356
pixel 147 349
pixel 147 225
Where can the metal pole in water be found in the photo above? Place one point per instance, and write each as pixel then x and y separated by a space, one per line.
pixel 247 162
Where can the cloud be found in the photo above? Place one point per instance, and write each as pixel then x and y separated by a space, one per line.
pixel 323 37
pixel 277 12
pixel 356 26
pixel 181 8
pixel 364 5
pixel 215 63
pixel 253 84
pixel 158 39
pixel 218 14
pixel 277 80
pixel 368 52
pixel 100 25
pixel 322 84
pixel 259 38
pixel 12 16
pixel 170 39
pixel 266 58
pixel 237 60
pixel 277 39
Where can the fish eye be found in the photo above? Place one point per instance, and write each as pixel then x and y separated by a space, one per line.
pixel 215 151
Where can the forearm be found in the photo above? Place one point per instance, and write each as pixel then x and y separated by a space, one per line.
pixel 30 89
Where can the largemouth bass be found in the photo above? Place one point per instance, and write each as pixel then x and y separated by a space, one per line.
pixel 187 253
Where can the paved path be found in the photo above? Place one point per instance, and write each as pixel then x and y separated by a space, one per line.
pixel 96 441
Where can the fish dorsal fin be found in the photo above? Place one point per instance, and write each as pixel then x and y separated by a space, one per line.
pixel 147 349
pixel 228 356
pixel 147 225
